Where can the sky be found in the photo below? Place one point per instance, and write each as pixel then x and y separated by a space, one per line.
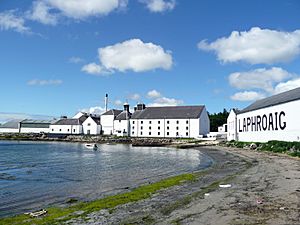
pixel 60 57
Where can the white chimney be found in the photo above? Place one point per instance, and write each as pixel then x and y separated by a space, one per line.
pixel 106 102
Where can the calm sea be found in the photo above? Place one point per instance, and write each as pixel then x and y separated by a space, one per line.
pixel 35 175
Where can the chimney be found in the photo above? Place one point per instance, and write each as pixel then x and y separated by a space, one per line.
pixel 106 102
pixel 126 107
pixel 141 106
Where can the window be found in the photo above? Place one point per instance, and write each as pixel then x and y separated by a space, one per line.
pixel 187 122
pixel 149 128
pixel 141 127
pixel 168 128
pixel 141 122
pixel 74 130
pixel 132 132
pixel 177 134
pixel 187 133
pixel 159 128
pixel 187 128
pixel 141 133
pixel 59 129
pixel 158 133
pixel 168 122
pixel 68 130
pixel 150 122
pixel 133 127
pixel 168 133
pixel 177 121
pixel 132 122
pixel 89 124
pixel 52 129
pixel 158 122
pixel 177 128
pixel 149 133
pixel 119 121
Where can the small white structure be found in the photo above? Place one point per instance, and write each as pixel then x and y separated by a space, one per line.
pixel 68 126
pixel 35 126
pixel 169 121
pixel 273 118
pixel 107 121
pixel 12 126
pixel 92 126
pixel 122 122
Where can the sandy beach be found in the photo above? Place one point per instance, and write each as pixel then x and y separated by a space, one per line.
pixel 264 189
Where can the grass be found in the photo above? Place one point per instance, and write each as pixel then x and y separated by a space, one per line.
pixel 59 215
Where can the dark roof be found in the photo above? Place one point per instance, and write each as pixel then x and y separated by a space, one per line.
pixel 96 119
pixel 71 121
pixel 14 124
pixel 169 112
pixel 112 112
pixel 281 98
pixel 123 115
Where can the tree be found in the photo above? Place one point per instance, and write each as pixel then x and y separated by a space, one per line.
pixel 218 119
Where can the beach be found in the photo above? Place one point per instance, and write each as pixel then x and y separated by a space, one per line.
pixel 264 189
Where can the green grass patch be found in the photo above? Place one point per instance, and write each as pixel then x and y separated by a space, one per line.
pixel 59 215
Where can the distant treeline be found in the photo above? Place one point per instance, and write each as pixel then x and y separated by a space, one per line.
pixel 218 119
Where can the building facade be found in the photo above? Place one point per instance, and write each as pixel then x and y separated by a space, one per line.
pixel 107 121
pixel 272 118
pixel 91 126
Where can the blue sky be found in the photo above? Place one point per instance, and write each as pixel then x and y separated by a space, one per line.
pixel 59 57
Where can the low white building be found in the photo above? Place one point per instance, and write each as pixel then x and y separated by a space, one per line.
pixel 35 126
pixel 107 121
pixel 12 126
pixel 169 121
pixel 273 118
pixel 92 126
pixel 68 126
pixel 122 122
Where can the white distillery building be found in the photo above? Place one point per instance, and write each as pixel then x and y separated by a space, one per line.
pixel 12 126
pixel 107 121
pixel 169 121
pixel 92 126
pixel 35 126
pixel 68 126
pixel 273 118
pixel 122 122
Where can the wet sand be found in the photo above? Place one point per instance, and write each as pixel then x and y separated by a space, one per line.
pixel 265 189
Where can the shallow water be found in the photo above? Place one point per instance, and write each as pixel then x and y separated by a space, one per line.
pixel 35 175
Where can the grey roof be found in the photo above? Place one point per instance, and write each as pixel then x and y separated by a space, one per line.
pixel 14 124
pixel 123 115
pixel 169 112
pixel 36 121
pixel 281 98
pixel 112 112
pixel 71 121
pixel 96 119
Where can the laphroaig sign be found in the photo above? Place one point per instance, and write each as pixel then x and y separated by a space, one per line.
pixel 265 122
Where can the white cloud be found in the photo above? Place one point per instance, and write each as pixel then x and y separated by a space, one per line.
pixel 286 86
pixel 164 101
pixel 255 46
pixel 134 55
pixel 44 82
pixel 41 12
pixel 247 96
pixel 94 110
pixel 134 97
pixel 76 60
pixel 259 78
pixel 159 5
pixel 153 94
pixel 118 102
pixel 93 68
pixel 9 21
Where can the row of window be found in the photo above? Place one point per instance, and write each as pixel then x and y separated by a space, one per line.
pixel 168 128
pixel 168 122
pixel 74 130
pixel 158 133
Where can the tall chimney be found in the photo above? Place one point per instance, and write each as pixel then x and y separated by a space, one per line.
pixel 106 102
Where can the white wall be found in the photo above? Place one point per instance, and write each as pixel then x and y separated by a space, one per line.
pixel 121 127
pixel 34 130
pixel 107 123
pixel 231 126
pixel 284 125
pixel 89 126
pixel 9 130
pixel 66 129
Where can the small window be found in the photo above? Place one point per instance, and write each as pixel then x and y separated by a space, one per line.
pixel 119 121
pixel 68 130
pixel 168 133
pixel 74 130
pixel 168 122
pixel 52 129
pixel 89 124
pixel 187 122
pixel 149 133
pixel 177 121
pixel 177 128
pixel 159 128
pixel 149 128
pixel 59 129
pixel 187 128
pixel 141 133
pixel 158 122
pixel 132 127
pixel 132 132
pixel 187 133
pixel 132 122
pixel 168 128
pixel 141 122
pixel 158 133
pixel 150 122
pixel 141 127
pixel 177 134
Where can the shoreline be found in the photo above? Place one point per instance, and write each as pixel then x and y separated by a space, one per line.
pixel 199 198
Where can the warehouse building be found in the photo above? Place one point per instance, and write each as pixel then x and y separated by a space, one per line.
pixel 273 118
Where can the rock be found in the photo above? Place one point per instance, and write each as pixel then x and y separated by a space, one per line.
pixel 253 146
